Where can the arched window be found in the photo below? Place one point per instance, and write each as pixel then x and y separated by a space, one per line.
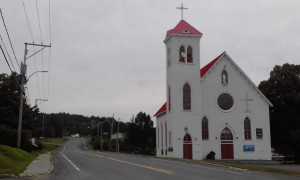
pixel 204 128
pixel 169 57
pixel 169 97
pixel 189 54
pixel 166 133
pixel 186 97
pixel 247 129
pixel 224 77
pixel 181 54
pixel 157 136
pixel 226 134
pixel 162 136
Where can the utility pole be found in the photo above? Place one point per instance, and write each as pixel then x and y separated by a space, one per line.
pixel 43 124
pixel 111 131
pixel 101 139
pixel 23 82
pixel 117 142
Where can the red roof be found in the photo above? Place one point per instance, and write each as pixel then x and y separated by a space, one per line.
pixel 184 28
pixel 161 110
pixel 203 71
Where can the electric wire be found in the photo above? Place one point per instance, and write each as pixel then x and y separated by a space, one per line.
pixel 49 55
pixel 9 38
pixel 30 31
pixel 38 15
pixel 50 35
pixel 8 64
pixel 27 20
pixel 5 58
pixel 8 54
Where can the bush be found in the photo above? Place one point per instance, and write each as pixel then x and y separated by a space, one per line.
pixel 9 137
pixel 211 155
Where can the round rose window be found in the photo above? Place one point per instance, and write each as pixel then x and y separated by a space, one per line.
pixel 225 101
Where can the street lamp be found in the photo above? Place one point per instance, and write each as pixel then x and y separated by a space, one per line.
pixel 35 73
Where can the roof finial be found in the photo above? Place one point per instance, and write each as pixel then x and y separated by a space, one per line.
pixel 181 8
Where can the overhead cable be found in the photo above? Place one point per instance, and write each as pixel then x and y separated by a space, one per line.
pixel 9 39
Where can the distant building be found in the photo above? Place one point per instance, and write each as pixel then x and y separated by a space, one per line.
pixel 217 108
pixel 120 136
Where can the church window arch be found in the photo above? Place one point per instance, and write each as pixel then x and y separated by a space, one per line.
pixel 224 77
pixel 166 134
pixel 226 134
pixel 190 54
pixel 169 58
pixel 204 128
pixel 162 136
pixel 157 136
pixel 181 54
pixel 247 129
pixel 186 97
pixel 169 97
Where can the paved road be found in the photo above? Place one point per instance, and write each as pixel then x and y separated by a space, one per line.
pixel 74 161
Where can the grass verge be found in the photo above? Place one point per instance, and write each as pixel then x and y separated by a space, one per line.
pixel 252 167
pixel 15 161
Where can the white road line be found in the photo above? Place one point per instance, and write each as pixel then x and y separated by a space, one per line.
pixel 89 154
pixel 71 163
pixel 195 165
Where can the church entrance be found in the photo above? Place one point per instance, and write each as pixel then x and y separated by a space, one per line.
pixel 226 144
pixel 187 147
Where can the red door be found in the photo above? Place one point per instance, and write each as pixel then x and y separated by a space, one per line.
pixel 226 144
pixel 227 150
pixel 187 147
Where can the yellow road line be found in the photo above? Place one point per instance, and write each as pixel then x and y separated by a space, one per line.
pixel 144 166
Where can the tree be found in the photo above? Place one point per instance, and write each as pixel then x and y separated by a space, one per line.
pixel 9 111
pixel 283 90
pixel 140 134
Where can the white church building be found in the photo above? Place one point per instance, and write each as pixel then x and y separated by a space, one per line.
pixel 216 108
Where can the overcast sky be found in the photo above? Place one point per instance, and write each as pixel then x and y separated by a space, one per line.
pixel 108 57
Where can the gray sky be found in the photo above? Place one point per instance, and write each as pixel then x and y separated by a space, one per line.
pixel 109 57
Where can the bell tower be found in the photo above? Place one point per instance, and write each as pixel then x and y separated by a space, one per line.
pixel 183 89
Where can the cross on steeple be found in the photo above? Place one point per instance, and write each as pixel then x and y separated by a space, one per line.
pixel 181 8
pixel 247 100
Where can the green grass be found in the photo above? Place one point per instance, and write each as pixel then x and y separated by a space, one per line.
pixel 254 168
pixel 15 161
pixel 58 141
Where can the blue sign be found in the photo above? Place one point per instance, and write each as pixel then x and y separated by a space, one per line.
pixel 249 148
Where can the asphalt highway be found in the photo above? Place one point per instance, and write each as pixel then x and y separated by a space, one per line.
pixel 74 161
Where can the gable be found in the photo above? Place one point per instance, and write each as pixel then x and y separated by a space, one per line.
pixel 205 71
pixel 225 55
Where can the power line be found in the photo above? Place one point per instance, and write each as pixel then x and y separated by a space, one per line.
pixel 8 54
pixel 50 35
pixel 49 57
pixel 27 20
pixel 30 31
pixel 5 58
pixel 8 65
pixel 37 10
pixel 9 39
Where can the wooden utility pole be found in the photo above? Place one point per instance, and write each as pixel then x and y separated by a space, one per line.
pixel 23 82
